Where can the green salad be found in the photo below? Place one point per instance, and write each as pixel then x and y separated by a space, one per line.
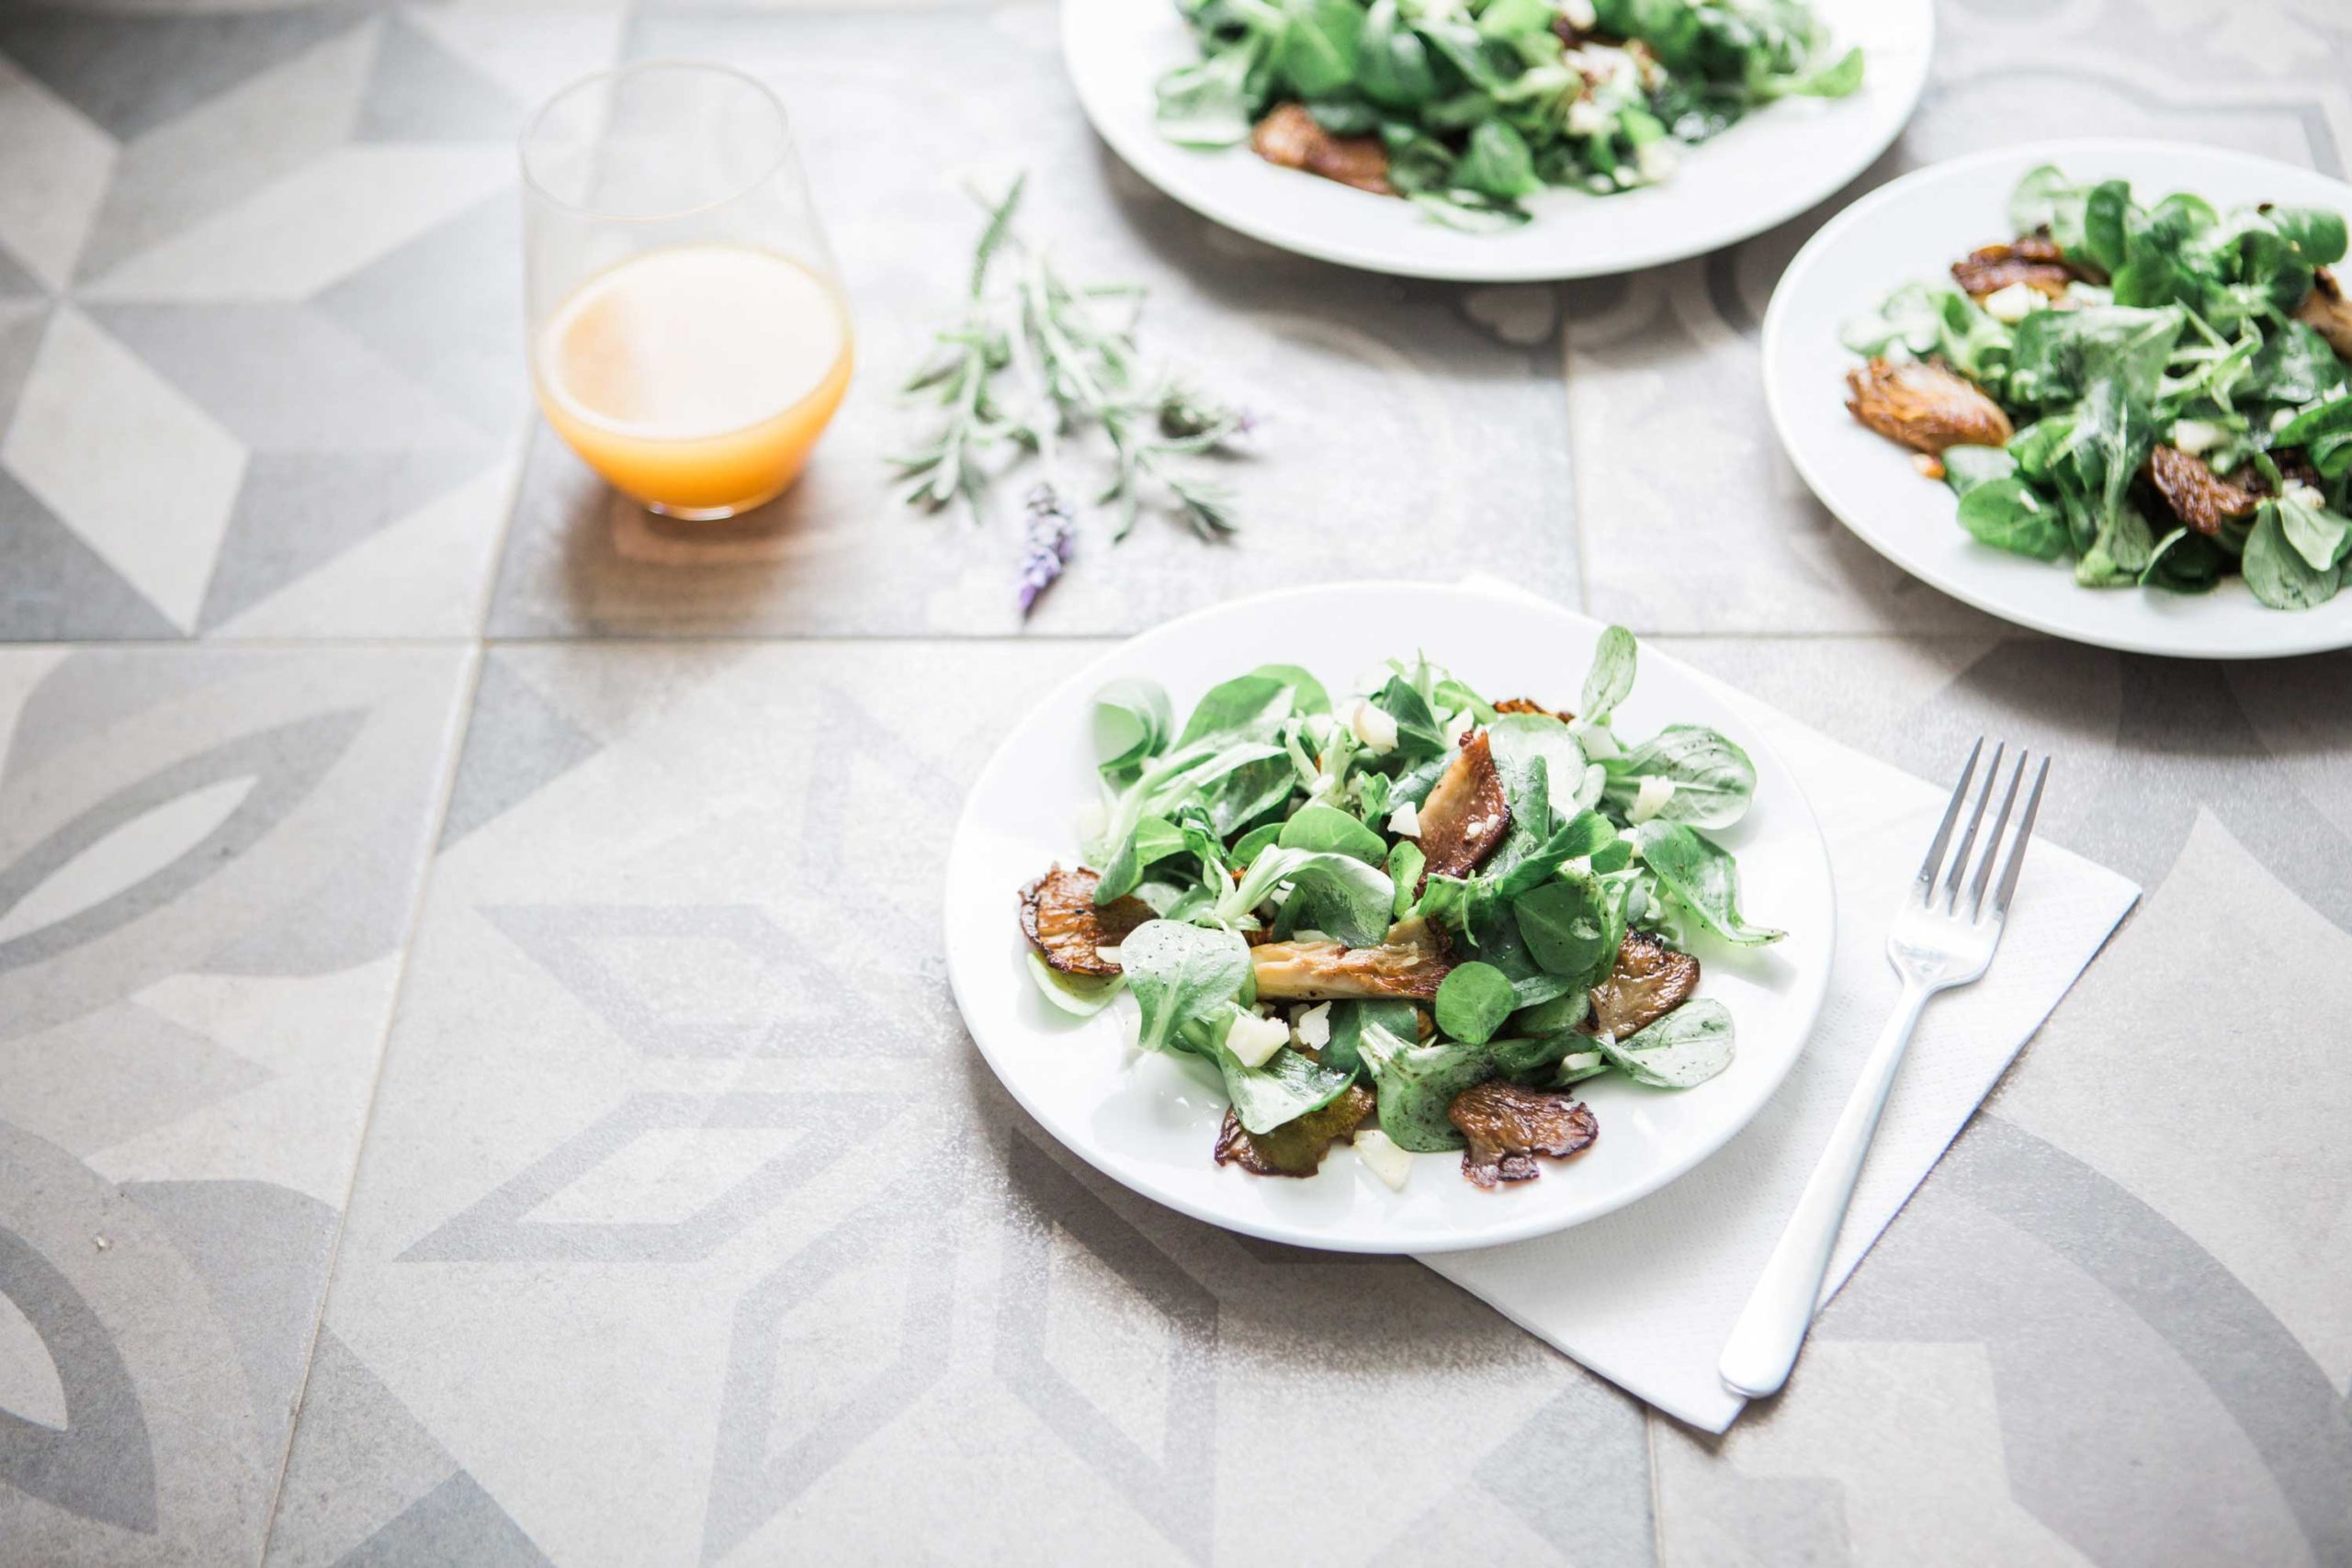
pixel 1412 920
pixel 1469 107
pixel 2158 395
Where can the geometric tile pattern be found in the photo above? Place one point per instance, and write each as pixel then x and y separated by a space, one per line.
pixel 253 315
pixel 507 1152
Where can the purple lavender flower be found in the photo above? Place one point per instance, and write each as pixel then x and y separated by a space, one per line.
pixel 1046 536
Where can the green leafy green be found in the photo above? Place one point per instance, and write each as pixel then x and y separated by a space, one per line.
pixel 1350 1019
pixel 1286 1086
pixel 2279 574
pixel 1414 1086
pixel 1352 900
pixel 1317 826
pixel 1572 926
pixel 1267 814
pixel 1682 1050
pixel 1713 780
pixel 2190 341
pixel 1480 105
pixel 1183 977
pixel 1611 677
pixel 1473 1001
pixel 1132 721
pixel 1703 878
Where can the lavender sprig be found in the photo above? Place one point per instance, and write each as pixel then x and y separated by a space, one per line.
pixel 1047 533
pixel 1039 362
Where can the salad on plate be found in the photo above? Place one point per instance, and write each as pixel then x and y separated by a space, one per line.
pixel 1467 108
pixel 1413 919
pixel 2160 395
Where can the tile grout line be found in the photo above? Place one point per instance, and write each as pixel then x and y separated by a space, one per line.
pixel 519 448
pixel 1657 1493
pixel 1047 639
pixel 1568 439
pixel 461 725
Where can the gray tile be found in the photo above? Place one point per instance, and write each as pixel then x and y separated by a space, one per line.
pixel 517 741
pixel 831 1259
pixel 457 1523
pixel 223 150
pixel 133 73
pixel 1405 435
pixel 181 1096
pixel 419 92
pixel 358 1462
pixel 285 377
pixel 55 587
pixel 446 311
pixel 296 511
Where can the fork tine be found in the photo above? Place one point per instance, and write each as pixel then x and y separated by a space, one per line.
pixel 1993 845
pixel 1943 831
pixel 2017 848
pixel 1968 838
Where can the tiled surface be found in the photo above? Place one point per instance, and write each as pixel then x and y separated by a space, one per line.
pixel 263 257
pixel 686 1224
pixel 1411 430
pixel 209 860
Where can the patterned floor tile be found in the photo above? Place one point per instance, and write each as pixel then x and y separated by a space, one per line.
pixel 260 324
pixel 208 860
pixel 826 1255
pixel 1388 406
pixel 155 507
pixel 2024 1369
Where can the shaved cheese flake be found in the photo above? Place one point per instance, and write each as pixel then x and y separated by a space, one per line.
pixel 1652 799
pixel 1382 1157
pixel 1254 1040
pixel 1374 727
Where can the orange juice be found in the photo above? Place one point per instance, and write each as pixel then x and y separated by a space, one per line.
pixel 697 378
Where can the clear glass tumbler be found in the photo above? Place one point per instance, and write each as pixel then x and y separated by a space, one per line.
pixel 688 335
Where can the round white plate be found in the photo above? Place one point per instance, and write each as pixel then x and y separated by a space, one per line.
pixel 1145 1121
pixel 1914 228
pixel 1769 167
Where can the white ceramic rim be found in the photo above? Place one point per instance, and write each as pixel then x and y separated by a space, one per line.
pixel 1519 255
pixel 2271 634
pixel 1805 997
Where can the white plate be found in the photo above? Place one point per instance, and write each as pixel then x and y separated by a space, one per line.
pixel 1769 167
pixel 1913 230
pixel 1145 1120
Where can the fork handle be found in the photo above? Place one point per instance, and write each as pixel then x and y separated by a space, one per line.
pixel 1764 1342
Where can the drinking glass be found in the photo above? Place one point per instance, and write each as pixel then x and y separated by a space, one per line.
pixel 689 336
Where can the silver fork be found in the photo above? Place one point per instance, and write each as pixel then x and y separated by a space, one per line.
pixel 1937 943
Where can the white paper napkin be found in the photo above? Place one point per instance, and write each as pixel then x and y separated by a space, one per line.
pixel 1646 1296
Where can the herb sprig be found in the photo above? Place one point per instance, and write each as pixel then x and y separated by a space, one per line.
pixel 1036 364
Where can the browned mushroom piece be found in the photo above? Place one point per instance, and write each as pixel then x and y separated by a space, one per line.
pixel 1529 705
pixel 2198 496
pixel 1925 406
pixel 1410 962
pixel 1508 1126
pixel 1069 929
pixel 2035 260
pixel 2328 313
pixel 1466 815
pixel 1291 139
pixel 1297 1146
pixel 1648 981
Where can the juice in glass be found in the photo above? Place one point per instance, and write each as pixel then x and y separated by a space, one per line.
pixel 696 377
pixel 689 336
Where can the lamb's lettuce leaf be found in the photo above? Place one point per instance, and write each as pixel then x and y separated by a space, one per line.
pixel 1684 1049
pixel 1703 877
